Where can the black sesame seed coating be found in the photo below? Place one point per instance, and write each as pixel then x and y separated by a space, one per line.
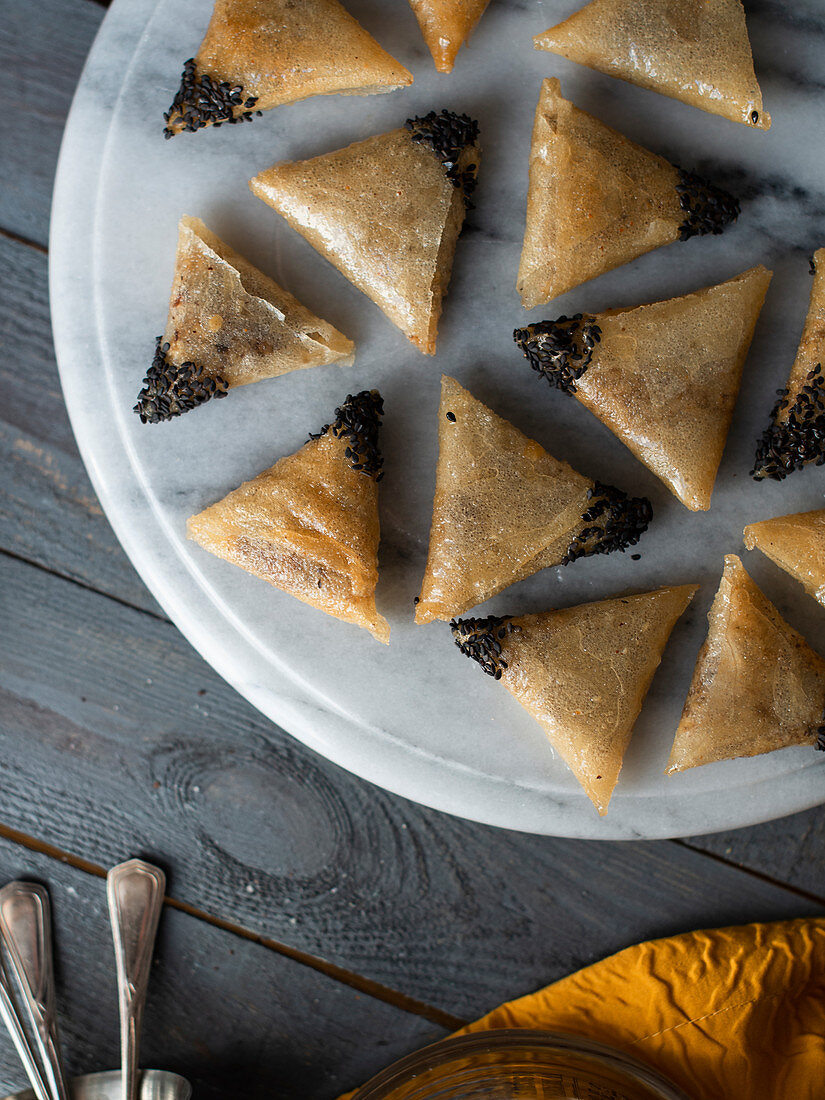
pixel 708 209
pixel 170 389
pixel 358 421
pixel 481 639
pixel 202 100
pixel 449 135
pixel 793 442
pixel 560 350
pixel 613 521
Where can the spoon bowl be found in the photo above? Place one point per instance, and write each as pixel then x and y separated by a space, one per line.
pixel 155 1084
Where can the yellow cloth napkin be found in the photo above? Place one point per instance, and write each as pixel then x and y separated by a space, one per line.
pixel 727 1014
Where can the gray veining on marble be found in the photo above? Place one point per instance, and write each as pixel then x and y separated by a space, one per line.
pixel 417 717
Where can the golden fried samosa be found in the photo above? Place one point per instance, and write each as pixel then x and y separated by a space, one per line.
pixel 694 50
pixel 387 213
pixel 597 200
pixel 796 435
pixel 797 544
pixel 664 377
pixel 757 685
pixel 309 524
pixel 582 672
pixel 258 54
pixel 228 325
pixel 446 25
pixel 504 509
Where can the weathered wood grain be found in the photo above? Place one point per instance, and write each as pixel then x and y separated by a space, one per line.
pixel 232 1016
pixel 30 394
pixel 42 49
pixel 48 510
pixel 131 741
pixel 790 850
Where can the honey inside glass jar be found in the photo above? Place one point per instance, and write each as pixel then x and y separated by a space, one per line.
pixel 519 1065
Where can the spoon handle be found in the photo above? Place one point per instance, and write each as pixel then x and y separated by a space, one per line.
pixel 135 891
pixel 26 931
pixel 15 1028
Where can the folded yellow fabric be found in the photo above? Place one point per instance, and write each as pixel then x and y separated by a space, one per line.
pixel 727 1014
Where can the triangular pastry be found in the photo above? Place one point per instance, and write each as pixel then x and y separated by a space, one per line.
pixel 387 213
pixel 309 524
pixel 796 436
pixel 258 54
pixel 504 509
pixel 228 325
pixel 664 377
pixel 757 685
pixel 446 25
pixel 596 200
pixel 694 50
pixel 581 672
pixel 797 544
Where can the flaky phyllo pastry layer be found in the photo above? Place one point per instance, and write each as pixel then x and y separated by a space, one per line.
pixel 664 377
pixel 797 544
pixel 309 524
pixel 504 509
pixel 228 325
pixel 694 50
pixel 757 685
pixel 387 213
pixel 597 200
pixel 581 672
pixel 258 54
pixel 795 436
pixel 446 25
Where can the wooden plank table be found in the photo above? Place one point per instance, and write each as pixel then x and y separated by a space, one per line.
pixel 317 927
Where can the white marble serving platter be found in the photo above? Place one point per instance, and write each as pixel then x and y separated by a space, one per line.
pixel 417 717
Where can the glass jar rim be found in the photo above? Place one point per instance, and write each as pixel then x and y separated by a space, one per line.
pixel 504 1039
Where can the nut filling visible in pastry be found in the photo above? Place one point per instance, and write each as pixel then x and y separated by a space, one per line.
pixel 229 324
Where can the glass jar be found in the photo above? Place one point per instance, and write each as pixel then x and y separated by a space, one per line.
pixel 518 1064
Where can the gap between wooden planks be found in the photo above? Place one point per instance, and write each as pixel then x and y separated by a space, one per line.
pixel 19 239
pixel 337 973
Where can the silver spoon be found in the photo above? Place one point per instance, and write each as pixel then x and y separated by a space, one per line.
pixel 135 891
pixel 155 1084
pixel 26 931
pixel 15 1028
